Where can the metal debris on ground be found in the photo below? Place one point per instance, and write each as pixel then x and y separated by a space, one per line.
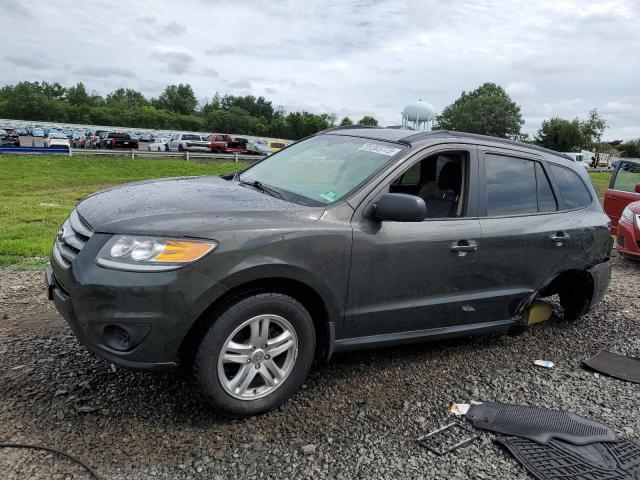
pixel 439 441
pixel 614 365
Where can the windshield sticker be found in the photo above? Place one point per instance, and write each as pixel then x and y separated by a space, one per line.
pixel 381 149
pixel 329 196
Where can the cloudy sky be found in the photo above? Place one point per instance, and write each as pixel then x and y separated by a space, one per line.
pixel 349 57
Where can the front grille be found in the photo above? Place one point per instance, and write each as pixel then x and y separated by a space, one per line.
pixel 72 237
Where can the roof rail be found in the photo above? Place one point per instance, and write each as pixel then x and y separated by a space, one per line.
pixel 439 133
pixel 350 127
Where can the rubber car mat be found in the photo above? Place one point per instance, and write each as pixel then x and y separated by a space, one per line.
pixel 538 424
pixel 560 460
pixel 614 365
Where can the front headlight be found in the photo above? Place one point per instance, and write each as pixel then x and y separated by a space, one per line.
pixel 138 253
pixel 627 215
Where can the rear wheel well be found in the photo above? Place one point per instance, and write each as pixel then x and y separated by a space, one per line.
pixel 306 295
pixel 575 289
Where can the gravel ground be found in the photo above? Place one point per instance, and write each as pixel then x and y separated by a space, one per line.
pixel 356 417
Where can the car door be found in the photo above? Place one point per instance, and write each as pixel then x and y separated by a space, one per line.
pixel 413 276
pixel 523 238
pixel 622 190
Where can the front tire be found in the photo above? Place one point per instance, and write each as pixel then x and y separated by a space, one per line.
pixel 256 354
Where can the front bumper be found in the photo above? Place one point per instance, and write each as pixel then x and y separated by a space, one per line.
pixel 155 309
pixel 628 239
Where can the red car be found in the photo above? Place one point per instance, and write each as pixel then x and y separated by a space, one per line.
pixel 622 204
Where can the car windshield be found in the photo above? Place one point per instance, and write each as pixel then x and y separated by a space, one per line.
pixel 56 135
pixel 191 137
pixel 322 169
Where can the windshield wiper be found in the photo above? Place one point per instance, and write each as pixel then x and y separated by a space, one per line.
pixel 262 187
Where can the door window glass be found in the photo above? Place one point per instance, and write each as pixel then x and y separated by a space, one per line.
pixel 511 186
pixel 571 187
pixel 628 177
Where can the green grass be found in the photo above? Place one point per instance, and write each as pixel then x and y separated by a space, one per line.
pixel 38 192
pixel 601 183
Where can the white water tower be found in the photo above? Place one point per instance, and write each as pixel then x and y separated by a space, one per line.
pixel 419 115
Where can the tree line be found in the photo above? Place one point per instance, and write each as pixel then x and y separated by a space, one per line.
pixel 487 110
pixel 177 108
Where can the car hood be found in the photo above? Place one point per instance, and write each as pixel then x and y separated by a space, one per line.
pixel 189 206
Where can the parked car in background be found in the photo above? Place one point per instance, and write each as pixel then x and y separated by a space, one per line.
pixel 223 143
pixel 624 188
pixel 13 139
pixel 37 132
pixel 49 130
pixel 275 145
pixel 94 138
pixel 57 140
pixel 159 145
pixel 580 158
pixel 145 137
pixel 183 142
pixel 349 239
pixel 5 139
pixel 258 148
pixel 22 131
pixel 68 133
pixel 113 140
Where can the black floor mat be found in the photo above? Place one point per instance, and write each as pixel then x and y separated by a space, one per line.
pixel 614 365
pixel 560 460
pixel 538 424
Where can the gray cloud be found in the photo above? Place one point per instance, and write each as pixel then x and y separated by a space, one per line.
pixel 104 72
pixel 240 84
pixel 173 28
pixel 210 72
pixel 350 57
pixel 33 63
pixel 175 62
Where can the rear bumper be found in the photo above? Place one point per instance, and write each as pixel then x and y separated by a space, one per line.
pixel 601 276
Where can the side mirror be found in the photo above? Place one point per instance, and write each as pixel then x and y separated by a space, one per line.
pixel 400 207
pixel 637 188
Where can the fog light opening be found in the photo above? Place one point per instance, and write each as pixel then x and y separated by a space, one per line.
pixel 117 337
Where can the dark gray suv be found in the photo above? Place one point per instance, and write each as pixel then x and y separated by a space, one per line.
pixel 352 238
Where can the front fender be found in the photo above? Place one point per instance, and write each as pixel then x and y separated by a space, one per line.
pixel 272 268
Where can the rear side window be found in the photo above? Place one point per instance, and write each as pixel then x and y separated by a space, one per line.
pixel 571 187
pixel 511 186
pixel 628 177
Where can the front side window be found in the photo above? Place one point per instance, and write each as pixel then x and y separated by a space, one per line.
pixel 440 180
pixel 571 187
pixel 628 177
pixel 323 169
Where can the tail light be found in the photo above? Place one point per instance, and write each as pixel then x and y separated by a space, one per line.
pixel 113 142
pixel 188 145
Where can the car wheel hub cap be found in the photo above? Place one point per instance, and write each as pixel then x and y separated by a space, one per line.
pixel 257 357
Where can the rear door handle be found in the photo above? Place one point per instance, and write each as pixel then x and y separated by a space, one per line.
pixel 463 247
pixel 559 238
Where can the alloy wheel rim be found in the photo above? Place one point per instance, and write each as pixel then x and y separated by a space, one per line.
pixel 257 357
